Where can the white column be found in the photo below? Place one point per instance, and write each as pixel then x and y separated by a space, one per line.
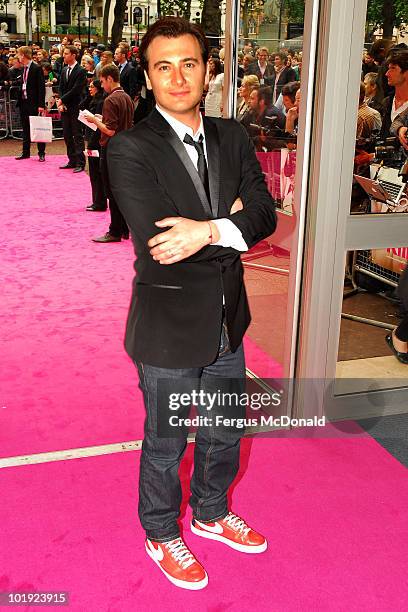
pixel 52 17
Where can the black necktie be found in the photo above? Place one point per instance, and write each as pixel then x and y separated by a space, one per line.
pixel 201 164
pixel 68 73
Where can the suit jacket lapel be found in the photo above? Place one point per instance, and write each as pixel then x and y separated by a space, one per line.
pixel 72 72
pixel 213 160
pixel 160 125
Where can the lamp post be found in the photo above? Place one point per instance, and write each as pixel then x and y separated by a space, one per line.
pixel 89 4
pixel 137 17
pixel 280 20
pixel 78 9
pixel 131 22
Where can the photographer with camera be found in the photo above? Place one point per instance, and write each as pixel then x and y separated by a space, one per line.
pixel 263 119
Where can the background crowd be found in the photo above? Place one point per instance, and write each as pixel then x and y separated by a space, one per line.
pixel 268 95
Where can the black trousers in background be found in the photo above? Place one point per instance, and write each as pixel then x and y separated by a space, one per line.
pixel 118 226
pixel 97 184
pixel 74 140
pixel 402 330
pixel 27 111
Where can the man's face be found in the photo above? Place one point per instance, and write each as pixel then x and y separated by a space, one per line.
pixel 297 99
pixel 369 89
pixel 176 73
pixel 119 56
pixel 396 77
pixel 253 100
pixel 69 58
pixel 287 102
pixel 263 57
pixel 245 62
pixel 278 62
pixel 107 84
pixel 22 59
pixel 78 45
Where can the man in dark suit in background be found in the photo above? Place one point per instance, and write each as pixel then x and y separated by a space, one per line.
pixel 282 74
pixel 31 100
pixel 71 91
pixel 189 309
pixel 128 74
pixel 261 67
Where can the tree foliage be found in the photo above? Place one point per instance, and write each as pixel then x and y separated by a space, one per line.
pixel 173 7
pixel 376 10
pixel 35 4
pixel 211 16
pixel 295 10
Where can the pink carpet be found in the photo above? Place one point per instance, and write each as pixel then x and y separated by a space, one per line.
pixel 65 380
pixel 334 511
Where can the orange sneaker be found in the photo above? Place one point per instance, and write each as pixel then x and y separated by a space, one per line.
pixel 178 563
pixel 233 531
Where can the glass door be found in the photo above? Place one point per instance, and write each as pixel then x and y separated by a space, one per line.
pixel 356 238
pixel 270 53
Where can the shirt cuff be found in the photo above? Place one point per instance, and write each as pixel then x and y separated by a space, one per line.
pixel 230 235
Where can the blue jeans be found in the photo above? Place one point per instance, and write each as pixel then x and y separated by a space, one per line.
pixel 216 454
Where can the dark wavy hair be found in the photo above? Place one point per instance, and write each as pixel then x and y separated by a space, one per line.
pixel 399 57
pixel 172 27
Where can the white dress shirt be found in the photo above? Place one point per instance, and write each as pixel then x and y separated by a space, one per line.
pixel 397 111
pixel 70 69
pixel 230 235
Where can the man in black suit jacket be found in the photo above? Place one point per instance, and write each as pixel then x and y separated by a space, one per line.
pixel 282 74
pixel 71 91
pixel 128 74
pixel 189 309
pixel 31 99
pixel 261 67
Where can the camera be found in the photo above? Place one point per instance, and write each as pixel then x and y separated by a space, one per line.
pixel 386 150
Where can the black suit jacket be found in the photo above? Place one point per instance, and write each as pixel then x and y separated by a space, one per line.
pixel 128 80
pixel 286 76
pixel 268 74
pixel 72 90
pixel 35 89
pixel 176 310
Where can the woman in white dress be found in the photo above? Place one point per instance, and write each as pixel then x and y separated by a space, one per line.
pixel 215 83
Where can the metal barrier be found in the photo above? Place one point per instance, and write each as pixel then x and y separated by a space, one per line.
pixel 15 127
pixel 10 119
pixel 3 114
pixel 57 133
pixel 366 264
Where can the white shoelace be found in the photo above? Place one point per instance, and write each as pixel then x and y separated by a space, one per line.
pixel 180 553
pixel 237 523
